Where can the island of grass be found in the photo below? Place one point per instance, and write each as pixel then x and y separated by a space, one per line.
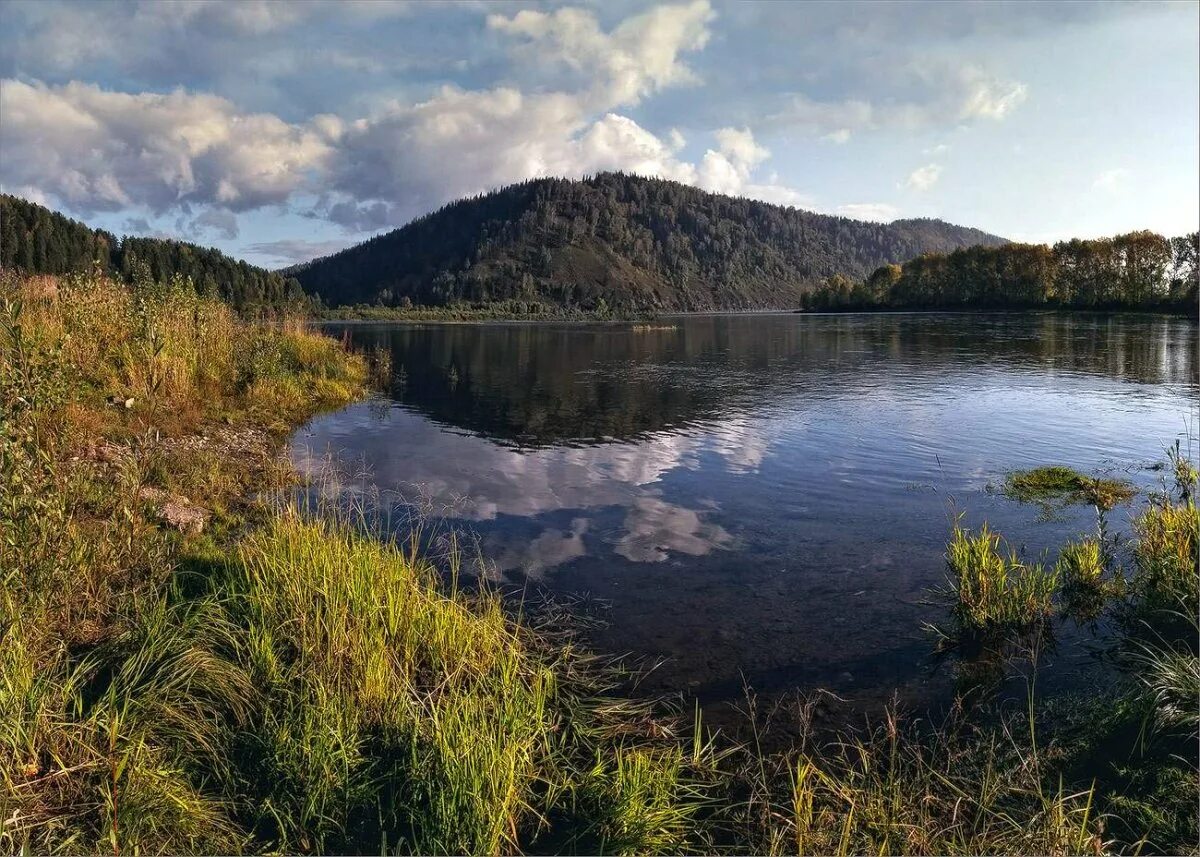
pixel 1057 484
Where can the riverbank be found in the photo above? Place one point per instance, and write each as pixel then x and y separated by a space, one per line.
pixel 271 681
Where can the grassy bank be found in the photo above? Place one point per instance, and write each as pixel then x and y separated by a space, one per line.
pixel 265 680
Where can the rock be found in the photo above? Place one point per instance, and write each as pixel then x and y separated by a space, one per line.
pixel 185 518
pixel 176 511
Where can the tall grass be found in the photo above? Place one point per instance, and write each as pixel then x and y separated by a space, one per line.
pixel 996 591
pixel 378 684
pixel 291 683
pixel 908 788
pixel 1167 557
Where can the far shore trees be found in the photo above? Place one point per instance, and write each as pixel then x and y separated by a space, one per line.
pixel 1137 270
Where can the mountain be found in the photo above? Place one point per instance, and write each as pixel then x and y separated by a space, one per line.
pixel 36 240
pixel 620 241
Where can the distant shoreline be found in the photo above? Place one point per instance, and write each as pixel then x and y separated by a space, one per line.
pixel 584 318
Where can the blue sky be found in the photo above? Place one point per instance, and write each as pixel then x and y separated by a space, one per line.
pixel 280 131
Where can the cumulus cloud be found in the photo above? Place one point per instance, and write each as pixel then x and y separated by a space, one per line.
pixel 98 150
pixel 640 56
pixel 923 178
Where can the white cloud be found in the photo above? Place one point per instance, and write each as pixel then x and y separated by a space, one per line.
pixel 95 149
pixel 928 96
pixel 640 56
pixel 1112 181
pixel 923 178
pixel 99 150
pixel 290 251
pixel 877 212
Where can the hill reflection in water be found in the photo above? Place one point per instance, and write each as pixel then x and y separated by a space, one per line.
pixel 766 495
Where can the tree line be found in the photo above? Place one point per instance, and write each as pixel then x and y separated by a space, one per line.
pixel 619 241
pixel 36 240
pixel 1137 270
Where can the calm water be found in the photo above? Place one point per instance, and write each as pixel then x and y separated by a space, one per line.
pixel 763 499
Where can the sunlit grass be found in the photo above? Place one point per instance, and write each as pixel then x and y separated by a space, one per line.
pixel 995 590
pixel 291 683
pixel 1062 484
pixel 1167 557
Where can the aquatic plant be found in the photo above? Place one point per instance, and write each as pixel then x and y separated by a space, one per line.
pixel 1081 571
pixel 1063 485
pixel 996 591
pixel 1166 573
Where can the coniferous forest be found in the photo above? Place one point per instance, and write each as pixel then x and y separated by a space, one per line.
pixel 622 242
pixel 36 240
pixel 625 243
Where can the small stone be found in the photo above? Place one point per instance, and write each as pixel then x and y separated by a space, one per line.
pixel 176 511
pixel 185 517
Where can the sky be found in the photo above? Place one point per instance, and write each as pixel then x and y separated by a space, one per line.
pixel 281 131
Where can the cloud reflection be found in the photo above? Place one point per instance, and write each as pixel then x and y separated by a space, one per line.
pixel 469 478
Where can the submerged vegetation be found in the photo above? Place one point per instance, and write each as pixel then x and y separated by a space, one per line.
pixel 1058 484
pixel 269 680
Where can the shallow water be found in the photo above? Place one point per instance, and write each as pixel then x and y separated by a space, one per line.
pixel 764 499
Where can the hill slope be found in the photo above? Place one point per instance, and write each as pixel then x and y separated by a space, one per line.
pixel 633 242
pixel 36 240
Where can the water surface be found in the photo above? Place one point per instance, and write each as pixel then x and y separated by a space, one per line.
pixel 763 499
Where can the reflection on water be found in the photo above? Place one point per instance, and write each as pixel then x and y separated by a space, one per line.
pixel 765 497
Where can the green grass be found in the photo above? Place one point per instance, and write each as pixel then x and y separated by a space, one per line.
pixel 288 682
pixel 994 590
pixel 901 789
pixel 1166 574
pixel 377 684
pixel 1058 484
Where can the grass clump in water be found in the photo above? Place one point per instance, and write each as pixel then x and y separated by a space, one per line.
pixel 1058 484
pixel 996 591
pixel 1082 574
pixel 1166 572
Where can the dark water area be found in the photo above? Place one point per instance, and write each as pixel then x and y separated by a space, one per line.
pixel 765 500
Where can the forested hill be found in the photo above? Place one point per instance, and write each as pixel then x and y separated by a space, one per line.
pixel 36 240
pixel 619 241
